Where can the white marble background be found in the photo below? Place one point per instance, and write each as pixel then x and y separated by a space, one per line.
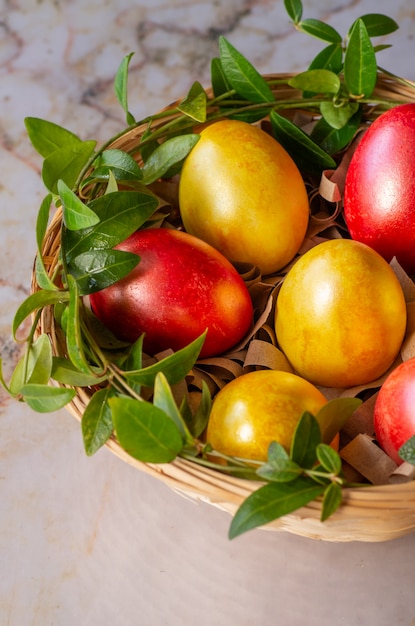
pixel 90 541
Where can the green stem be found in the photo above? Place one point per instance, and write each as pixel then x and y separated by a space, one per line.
pixel 318 474
pixel 119 381
pixel 229 469
pixel 115 375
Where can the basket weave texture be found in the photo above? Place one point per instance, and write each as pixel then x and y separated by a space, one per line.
pixel 368 513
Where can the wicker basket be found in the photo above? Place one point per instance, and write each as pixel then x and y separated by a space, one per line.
pixel 369 513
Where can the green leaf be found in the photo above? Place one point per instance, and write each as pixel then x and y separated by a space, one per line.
pixel 98 269
pixel 45 399
pixel 333 416
pixel 96 421
pixel 271 502
pixel 194 105
pixel 47 137
pixel 35 366
pixel 112 185
pixel 65 372
pixel 332 499
pixel 360 67
pixel 120 214
pixel 378 24
pixel 200 419
pixel 381 47
pixel 332 140
pixel 74 338
pixel 35 301
pixel 219 82
pixel 279 468
pixel 59 312
pixel 121 87
pixel 42 221
pixel 242 76
pixel 320 30
pixel 338 115
pixel 121 164
pixel 330 58
pixel 306 438
pixel 407 451
pixel 18 377
pixel 76 214
pixel 175 366
pixel 164 400
pixel 144 431
pixel 16 381
pixel 166 155
pixel 306 153
pixel 134 361
pixel 66 163
pixel 329 458
pixel 3 380
pixel 294 9
pixel 40 353
pixel 248 116
pixel 316 81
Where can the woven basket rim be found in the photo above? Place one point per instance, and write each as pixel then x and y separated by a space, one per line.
pixel 368 513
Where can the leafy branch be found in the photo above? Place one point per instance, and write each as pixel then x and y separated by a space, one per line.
pixel 311 469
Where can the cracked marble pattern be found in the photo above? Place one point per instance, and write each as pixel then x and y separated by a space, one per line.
pixel 89 541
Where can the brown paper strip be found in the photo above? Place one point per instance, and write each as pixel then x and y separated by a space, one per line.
pixel 338 176
pixel 331 393
pixel 261 294
pixel 258 324
pixel 403 473
pixel 329 189
pixel 221 367
pixel 407 284
pixel 408 345
pixel 264 354
pixel 368 459
pixel 236 355
pixel 351 474
pixel 266 333
pixel 249 273
pixel 197 377
pixel 361 422
pixel 310 242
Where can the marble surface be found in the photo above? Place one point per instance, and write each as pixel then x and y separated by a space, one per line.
pixel 90 541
